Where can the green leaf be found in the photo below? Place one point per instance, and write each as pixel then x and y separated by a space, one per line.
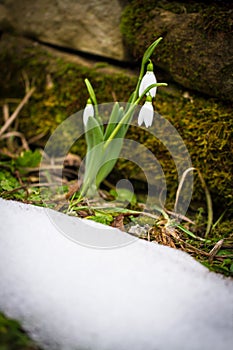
pixel 150 50
pixel 132 97
pixel 12 336
pixel 115 117
pixel 101 217
pixel 108 165
pixel 94 139
pixel 91 91
pixel 222 252
pixel 112 146
pixel 121 128
pixel 94 134
pixel 9 184
pixel 111 154
pixel 191 234
pixel 29 159
pixel 93 98
pixel 124 195
pixel 231 267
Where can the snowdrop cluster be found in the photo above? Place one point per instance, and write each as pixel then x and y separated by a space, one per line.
pixel 146 113
pixel 105 143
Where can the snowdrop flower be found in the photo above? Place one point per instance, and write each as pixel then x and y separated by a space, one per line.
pixel 88 111
pixel 146 113
pixel 147 80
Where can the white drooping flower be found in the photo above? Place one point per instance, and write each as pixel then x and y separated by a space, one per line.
pixel 88 111
pixel 146 113
pixel 148 79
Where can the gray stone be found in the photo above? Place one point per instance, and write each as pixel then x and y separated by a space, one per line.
pixel 89 26
pixel 196 51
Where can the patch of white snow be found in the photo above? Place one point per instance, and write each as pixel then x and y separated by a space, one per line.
pixel 140 296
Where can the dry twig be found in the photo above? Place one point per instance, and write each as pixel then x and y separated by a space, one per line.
pixel 18 134
pixel 10 120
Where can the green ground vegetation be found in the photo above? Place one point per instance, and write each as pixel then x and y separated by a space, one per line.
pixel 13 337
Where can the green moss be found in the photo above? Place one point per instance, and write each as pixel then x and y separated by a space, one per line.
pixel 50 105
pixel 213 17
pixel 143 21
pixel 12 337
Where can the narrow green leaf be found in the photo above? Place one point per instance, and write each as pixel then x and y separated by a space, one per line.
pixel 29 159
pixel 123 125
pixel 110 157
pixel 113 119
pixel 94 137
pixel 112 147
pixel 131 99
pixel 91 91
pixel 150 50
pixel 111 126
pixel 231 268
pixel 123 195
pixel 94 134
pixel 191 234
pixel 94 100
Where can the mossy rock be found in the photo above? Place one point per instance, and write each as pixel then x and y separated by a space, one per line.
pixel 205 124
pixel 197 48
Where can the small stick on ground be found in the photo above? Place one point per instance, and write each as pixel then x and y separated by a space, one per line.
pixel 17 110
pixel 215 250
pixel 18 134
pixel 5 110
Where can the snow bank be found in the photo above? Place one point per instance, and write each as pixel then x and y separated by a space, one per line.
pixel 140 296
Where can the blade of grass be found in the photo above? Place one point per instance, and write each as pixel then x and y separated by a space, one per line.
pixel 181 183
pixel 209 204
pixel 207 194
pixel 191 234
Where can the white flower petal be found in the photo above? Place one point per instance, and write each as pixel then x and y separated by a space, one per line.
pixel 140 117
pixel 88 112
pixel 148 79
pixel 146 114
pixel 148 120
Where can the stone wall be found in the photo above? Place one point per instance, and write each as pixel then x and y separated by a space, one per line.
pixel 196 51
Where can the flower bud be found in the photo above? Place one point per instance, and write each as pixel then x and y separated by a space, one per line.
pixel 88 111
pixel 147 80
